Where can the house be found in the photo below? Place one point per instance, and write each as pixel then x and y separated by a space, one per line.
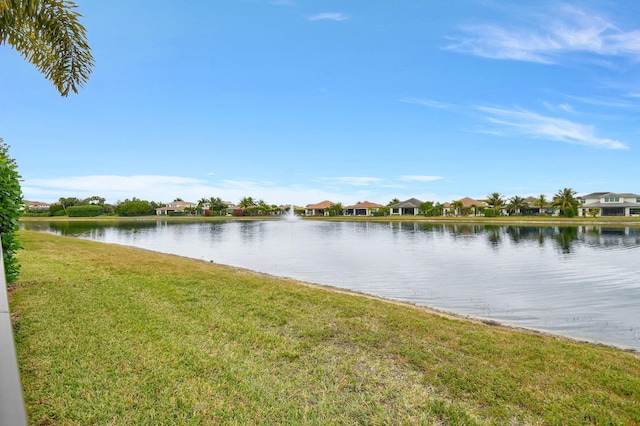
pixel 610 204
pixel 364 208
pixel 535 210
pixel 234 209
pixel 207 210
pixel 472 205
pixel 36 205
pixel 176 206
pixel 319 209
pixel 408 207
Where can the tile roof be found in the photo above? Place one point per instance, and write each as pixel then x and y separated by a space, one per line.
pixel 322 205
pixel 610 194
pixel 468 202
pixel 411 202
pixel 365 205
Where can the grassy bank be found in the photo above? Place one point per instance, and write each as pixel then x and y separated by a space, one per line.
pixel 113 335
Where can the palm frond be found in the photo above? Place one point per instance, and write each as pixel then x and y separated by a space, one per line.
pixel 49 35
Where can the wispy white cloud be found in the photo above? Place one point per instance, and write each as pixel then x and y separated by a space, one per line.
pixel 352 180
pixel 531 124
pixel 419 178
pixel 566 107
pixel 567 29
pixel 427 102
pixel 246 184
pixel 167 188
pixel 609 103
pixel 101 182
pixel 561 107
pixel 328 16
pixel 114 188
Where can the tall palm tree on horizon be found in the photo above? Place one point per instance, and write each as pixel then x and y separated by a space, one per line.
pixel 496 202
pixel 565 200
pixel 516 204
pixel 248 205
pixel 457 206
pixel 541 202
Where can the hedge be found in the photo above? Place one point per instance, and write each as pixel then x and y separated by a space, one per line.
pixel 84 211
pixel 10 202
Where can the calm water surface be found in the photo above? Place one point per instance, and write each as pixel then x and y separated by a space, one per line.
pixel 582 282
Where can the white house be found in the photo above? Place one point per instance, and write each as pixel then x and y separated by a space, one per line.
pixel 319 209
pixel 474 206
pixel 610 204
pixel 364 208
pixel 407 207
pixel 36 205
pixel 176 206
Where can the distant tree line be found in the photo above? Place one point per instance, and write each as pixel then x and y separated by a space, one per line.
pixel 564 202
pixel 96 206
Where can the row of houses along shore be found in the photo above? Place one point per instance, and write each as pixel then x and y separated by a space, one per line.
pixel 596 204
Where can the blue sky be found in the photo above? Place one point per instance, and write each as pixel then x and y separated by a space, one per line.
pixel 296 101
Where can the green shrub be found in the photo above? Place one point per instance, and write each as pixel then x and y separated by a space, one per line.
pixel 10 203
pixel 56 209
pixel 84 211
pixel 134 208
pixel 489 213
pixel 569 212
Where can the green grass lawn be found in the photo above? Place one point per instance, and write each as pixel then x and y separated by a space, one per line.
pixel 113 335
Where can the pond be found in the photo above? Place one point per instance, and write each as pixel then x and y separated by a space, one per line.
pixel 582 282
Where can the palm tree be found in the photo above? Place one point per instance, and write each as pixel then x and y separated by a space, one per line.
pixel 566 202
pixel 516 204
pixel 541 202
pixel 263 207
pixel 247 204
pixel 594 212
pixel 48 34
pixel 495 200
pixel 201 203
pixel 457 207
pixel 217 205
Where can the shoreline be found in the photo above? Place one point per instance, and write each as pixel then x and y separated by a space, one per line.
pixel 139 330
pixel 444 313
pixel 332 287
pixel 507 220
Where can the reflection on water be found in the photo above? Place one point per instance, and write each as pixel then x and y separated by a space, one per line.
pixel 579 281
